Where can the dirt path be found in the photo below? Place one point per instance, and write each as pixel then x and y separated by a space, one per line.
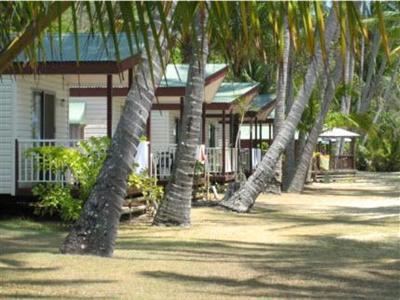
pixel 335 241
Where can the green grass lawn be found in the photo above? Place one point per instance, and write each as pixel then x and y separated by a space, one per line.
pixel 336 241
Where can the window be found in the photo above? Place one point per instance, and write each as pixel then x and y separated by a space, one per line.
pixel 43 115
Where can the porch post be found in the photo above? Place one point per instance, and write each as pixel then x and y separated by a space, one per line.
pixel 130 77
pixel 109 105
pixel 260 129
pixel 353 148
pixel 270 133
pixel 231 130
pixel 181 109
pixel 255 132
pixel 236 130
pixel 16 166
pixel 251 144
pixel 148 134
pixel 203 125
pixel 223 142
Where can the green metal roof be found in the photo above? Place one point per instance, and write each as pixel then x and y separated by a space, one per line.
pixel 176 74
pixel 228 92
pixel 91 48
pixel 261 101
pixel 77 113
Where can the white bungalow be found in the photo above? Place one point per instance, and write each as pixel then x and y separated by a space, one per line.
pixel 91 116
pixel 67 101
pixel 34 107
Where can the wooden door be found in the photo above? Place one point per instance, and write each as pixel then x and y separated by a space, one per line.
pixel 48 117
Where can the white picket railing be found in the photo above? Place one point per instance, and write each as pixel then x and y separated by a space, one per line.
pixel 215 160
pixel 162 158
pixel 30 164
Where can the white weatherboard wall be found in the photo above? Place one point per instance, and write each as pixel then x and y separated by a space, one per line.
pixel 96 114
pixel 96 119
pixel 54 84
pixel 161 128
pixel 16 99
pixel 7 94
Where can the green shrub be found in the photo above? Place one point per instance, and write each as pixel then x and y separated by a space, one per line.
pixel 84 163
pixel 55 198
pixel 152 193
pixel 382 150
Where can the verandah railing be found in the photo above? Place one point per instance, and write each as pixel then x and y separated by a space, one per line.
pixel 29 164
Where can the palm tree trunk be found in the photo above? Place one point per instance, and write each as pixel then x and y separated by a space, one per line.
pixel 370 71
pixel 96 230
pixel 297 183
pixel 290 151
pixel 373 87
pixel 348 79
pixel 175 208
pixel 388 90
pixel 280 104
pixel 301 141
pixel 245 198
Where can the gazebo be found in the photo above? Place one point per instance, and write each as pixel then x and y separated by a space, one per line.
pixel 329 143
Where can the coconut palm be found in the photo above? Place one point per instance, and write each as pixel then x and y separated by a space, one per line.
pixel 332 80
pixel 245 198
pixel 175 208
pixel 29 20
pixel 95 231
pixel 283 86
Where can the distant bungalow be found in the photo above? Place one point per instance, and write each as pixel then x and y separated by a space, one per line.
pixel 64 102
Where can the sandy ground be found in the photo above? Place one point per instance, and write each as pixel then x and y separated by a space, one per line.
pixel 335 241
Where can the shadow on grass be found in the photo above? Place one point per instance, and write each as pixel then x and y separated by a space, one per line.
pixel 22 236
pixel 49 296
pixel 352 192
pixel 332 215
pixel 56 282
pixel 320 267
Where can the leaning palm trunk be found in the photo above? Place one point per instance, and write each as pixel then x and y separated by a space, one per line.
pixel 370 71
pixel 175 208
pixel 373 88
pixel 290 151
pixel 274 185
pixel 297 183
pixel 384 98
pixel 245 198
pixel 348 79
pixel 96 230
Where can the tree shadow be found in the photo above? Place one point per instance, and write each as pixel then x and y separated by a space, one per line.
pixel 48 296
pixel 317 268
pixel 56 282
pixel 353 192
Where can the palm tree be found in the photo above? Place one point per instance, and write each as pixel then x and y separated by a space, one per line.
pixel 348 81
pixel 290 154
pixel 332 80
pixel 245 198
pixel 281 100
pixel 385 96
pixel 175 208
pixel 29 20
pixel 95 231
